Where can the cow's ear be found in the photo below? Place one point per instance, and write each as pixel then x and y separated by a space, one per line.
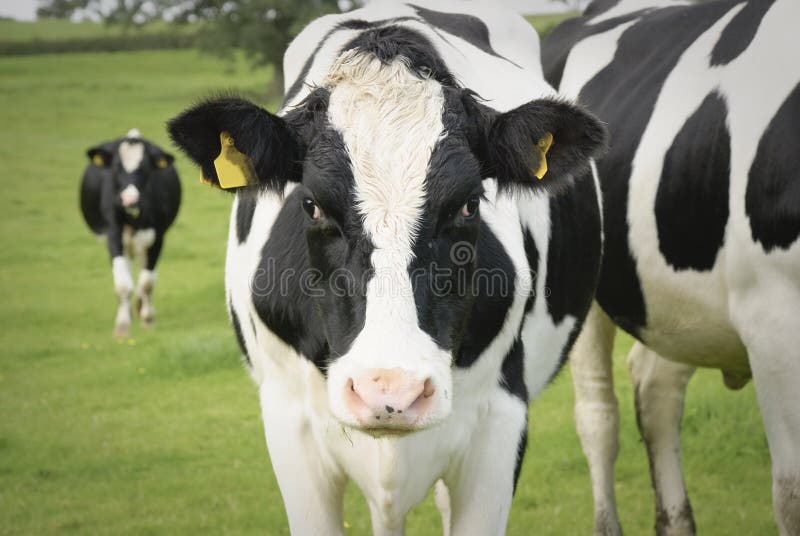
pixel 542 144
pixel 237 143
pixel 158 158
pixel 101 155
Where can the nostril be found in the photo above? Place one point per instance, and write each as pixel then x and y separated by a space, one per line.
pixel 428 389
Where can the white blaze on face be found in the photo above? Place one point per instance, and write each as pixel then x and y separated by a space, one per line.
pixel 390 121
pixel 131 154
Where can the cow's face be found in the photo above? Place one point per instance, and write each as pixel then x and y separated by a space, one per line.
pixel 131 161
pixel 391 186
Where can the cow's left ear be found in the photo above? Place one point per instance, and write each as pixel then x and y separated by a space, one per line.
pixel 158 158
pixel 542 144
pixel 237 143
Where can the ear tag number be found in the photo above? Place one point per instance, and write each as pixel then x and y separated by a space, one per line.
pixel 162 162
pixel 97 160
pixel 234 169
pixel 542 146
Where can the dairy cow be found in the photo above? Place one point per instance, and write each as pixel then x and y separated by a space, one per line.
pixel 129 196
pixel 413 246
pixel 701 198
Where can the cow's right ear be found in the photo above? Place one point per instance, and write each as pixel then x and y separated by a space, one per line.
pixel 101 156
pixel 237 143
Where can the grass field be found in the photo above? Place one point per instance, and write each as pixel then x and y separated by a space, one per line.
pixel 160 433
pixel 50 30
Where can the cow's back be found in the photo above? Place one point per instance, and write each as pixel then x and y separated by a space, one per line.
pixel 694 96
pixel 488 49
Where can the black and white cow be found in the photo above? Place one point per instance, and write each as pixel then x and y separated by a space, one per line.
pixel 386 276
pixel 701 197
pixel 130 195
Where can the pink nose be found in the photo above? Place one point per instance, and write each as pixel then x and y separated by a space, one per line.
pixel 388 398
pixel 129 196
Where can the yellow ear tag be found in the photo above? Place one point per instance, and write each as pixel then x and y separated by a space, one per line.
pixel 542 146
pixel 97 160
pixel 234 169
pixel 162 162
pixel 208 182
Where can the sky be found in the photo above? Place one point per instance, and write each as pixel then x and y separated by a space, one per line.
pixel 18 9
pixel 26 9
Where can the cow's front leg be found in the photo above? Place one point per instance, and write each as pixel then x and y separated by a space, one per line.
pixel 123 285
pixel 383 527
pixel 766 316
pixel 144 296
pixel 123 280
pixel 147 282
pixel 659 390
pixel 311 484
pixel 481 484
pixel 441 496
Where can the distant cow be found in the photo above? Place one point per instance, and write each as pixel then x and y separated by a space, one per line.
pixel 130 195
pixel 701 199
pixel 398 268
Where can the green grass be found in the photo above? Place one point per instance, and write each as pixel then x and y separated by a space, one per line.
pixel 160 433
pixel 55 30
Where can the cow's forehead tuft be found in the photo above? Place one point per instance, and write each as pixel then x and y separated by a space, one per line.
pixel 131 153
pixel 390 120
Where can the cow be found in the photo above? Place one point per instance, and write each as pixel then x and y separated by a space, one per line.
pixel 129 196
pixel 400 280
pixel 701 205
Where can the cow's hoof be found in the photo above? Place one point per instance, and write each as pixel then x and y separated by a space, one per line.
pixel 148 321
pixel 122 330
pixel 607 524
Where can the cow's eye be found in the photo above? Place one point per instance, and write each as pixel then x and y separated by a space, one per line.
pixel 311 208
pixel 470 207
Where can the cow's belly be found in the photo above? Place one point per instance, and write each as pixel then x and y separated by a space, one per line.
pixel 687 312
pixel 688 319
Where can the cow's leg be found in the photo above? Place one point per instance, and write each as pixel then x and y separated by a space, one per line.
pixel 441 497
pixel 597 414
pixel 380 526
pixel 768 324
pixel 123 285
pixel 659 390
pixel 776 375
pixel 763 304
pixel 147 282
pixel 123 280
pixel 481 483
pixel 311 486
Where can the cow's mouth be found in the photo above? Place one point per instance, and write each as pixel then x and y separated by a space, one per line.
pixel 379 433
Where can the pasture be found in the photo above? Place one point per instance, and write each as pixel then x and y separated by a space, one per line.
pixel 160 433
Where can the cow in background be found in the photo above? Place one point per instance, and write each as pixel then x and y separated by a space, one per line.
pixel 701 202
pixel 130 195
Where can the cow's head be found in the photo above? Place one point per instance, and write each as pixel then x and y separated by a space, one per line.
pixel 390 163
pixel 131 161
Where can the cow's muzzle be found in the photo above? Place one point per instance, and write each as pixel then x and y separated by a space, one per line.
pixel 129 196
pixel 389 399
